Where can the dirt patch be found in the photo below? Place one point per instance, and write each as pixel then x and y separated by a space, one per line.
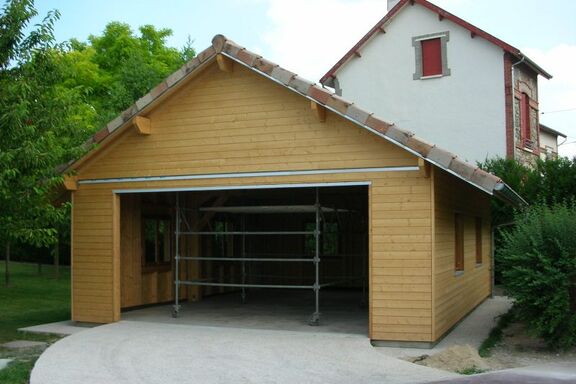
pixel 459 358
pixel 519 348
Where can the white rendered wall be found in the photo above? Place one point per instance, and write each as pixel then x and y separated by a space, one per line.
pixel 463 113
pixel 548 140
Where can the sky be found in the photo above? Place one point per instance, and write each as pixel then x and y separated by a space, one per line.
pixel 309 36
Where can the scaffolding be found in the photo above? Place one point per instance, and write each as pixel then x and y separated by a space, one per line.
pixel 317 209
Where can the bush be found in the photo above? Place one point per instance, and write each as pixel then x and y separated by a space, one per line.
pixel 539 272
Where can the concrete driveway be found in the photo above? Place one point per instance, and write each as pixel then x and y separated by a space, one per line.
pixel 141 352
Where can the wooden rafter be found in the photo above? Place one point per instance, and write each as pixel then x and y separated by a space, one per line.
pixel 319 111
pixel 71 182
pixel 224 63
pixel 143 125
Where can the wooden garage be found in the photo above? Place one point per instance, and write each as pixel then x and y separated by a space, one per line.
pixel 235 174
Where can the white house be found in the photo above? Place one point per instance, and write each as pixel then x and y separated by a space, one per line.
pixel 430 72
pixel 549 142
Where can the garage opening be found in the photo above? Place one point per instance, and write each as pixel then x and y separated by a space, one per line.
pixel 269 257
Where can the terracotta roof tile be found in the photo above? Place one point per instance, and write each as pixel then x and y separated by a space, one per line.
pixel 399 135
pixel 338 103
pixel 357 113
pixel 205 54
pixel 282 75
pixel 218 43
pixel 100 135
pixel 441 157
pixel 265 66
pixel 247 57
pixel 487 180
pixel 419 145
pixel 129 112
pixel 142 102
pixel 320 94
pixel 114 124
pixel 462 168
pixel 300 84
pixel 175 77
pixel 159 89
pixel 231 48
pixel 377 124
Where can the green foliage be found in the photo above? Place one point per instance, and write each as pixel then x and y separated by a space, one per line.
pixel 471 371
pixel 17 372
pixel 32 299
pixel 539 271
pixel 115 69
pixel 37 126
pixel 548 181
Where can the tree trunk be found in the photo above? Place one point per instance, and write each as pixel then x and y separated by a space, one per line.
pixel 57 260
pixel 7 263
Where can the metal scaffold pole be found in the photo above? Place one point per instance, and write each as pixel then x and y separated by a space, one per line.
pixel 243 260
pixel 177 260
pixel 315 320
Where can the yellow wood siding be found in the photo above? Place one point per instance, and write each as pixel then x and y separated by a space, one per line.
pixel 240 122
pixel 456 294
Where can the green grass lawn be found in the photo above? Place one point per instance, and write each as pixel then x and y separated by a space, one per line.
pixel 30 299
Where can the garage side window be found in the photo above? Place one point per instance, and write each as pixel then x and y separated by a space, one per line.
pixel 478 241
pixel 458 242
pixel 431 55
pixel 157 241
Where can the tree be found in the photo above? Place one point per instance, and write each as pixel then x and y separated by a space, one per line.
pixel 539 271
pixel 547 181
pixel 115 69
pixel 40 127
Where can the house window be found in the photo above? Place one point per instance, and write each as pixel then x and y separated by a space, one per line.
pixel 431 55
pixel 525 128
pixel 478 240
pixel 458 242
pixel 156 241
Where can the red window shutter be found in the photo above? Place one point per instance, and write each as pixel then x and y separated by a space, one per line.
pixel 525 116
pixel 431 57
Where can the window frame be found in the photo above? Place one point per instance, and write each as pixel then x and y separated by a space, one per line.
pixel 418 51
pixel 157 264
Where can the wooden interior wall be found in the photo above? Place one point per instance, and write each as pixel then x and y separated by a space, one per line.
pixel 241 122
pixel 131 251
pixel 456 294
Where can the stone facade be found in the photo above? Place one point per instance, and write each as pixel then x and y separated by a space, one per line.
pixel 526 81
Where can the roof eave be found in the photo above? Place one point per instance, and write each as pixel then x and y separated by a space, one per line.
pixel 503 192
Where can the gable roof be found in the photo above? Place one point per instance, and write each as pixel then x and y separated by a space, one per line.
pixel 223 47
pixel 442 14
pixel 551 131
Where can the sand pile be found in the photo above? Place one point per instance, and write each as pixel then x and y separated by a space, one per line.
pixel 454 359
